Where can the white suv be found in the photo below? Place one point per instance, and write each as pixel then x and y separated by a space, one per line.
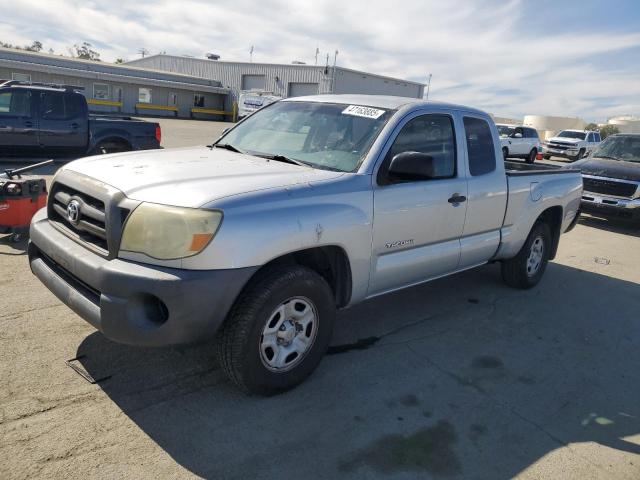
pixel 571 144
pixel 519 141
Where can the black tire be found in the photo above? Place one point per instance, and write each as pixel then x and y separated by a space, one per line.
pixel 516 272
pixel 532 156
pixel 546 157
pixel 238 342
pixel 505 153
pixel 580 154
pixel 110 147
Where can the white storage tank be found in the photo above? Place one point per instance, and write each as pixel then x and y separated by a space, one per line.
pixel 547 126
pixel 626 123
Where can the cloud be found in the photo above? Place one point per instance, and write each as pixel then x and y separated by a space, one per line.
pixel 494 55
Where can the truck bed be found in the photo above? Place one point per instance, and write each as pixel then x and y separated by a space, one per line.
pixel 520 169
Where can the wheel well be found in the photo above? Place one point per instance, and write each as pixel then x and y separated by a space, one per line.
pixel 553 217
pixel 329 262
pixel 114 141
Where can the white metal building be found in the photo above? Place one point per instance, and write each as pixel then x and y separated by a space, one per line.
pixel 283 79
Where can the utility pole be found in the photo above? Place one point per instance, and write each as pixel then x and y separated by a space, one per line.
pixel 317 52
pixel 251 54
pixel 429 85
pixel 143 51
pixel 333 76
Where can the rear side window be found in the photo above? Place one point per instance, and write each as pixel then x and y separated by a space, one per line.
pixel 482 154
pixel 58 106
pixel 532 133
pixel 597 137
pixel 431 134
pixel 15 103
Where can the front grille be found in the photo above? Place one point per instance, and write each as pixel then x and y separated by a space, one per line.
pixel 560 146
pixel 91 222
pixel 609 187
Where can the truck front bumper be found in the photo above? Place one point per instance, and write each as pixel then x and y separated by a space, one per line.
pixel 571 154
pixel 129 302
pixel 605 206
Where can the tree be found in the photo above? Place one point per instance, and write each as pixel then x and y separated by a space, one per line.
pixel 35 46
pixel 592 127
pixel 607 130
pixel 86 52
pixel 119 60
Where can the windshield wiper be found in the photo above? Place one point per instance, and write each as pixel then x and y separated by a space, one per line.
pixel 226 146
pixel 282 158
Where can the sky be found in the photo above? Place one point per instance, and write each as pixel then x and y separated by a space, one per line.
pixel 510 58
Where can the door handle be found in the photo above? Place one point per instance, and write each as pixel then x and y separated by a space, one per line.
pixel 457 198
pixel 74 125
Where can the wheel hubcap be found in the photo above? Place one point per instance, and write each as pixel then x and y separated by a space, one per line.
pixel 288 334
pixel 535 256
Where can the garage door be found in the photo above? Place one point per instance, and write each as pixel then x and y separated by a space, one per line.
pixel 299 89
pixel 253 82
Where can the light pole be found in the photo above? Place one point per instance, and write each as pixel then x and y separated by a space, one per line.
pixel 429 85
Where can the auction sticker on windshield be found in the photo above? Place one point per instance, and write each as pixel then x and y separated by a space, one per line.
pixel 366 112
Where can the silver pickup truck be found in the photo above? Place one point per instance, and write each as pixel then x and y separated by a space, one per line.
pixel 308 205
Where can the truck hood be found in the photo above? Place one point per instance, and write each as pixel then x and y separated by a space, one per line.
pixel 565 140
pixel 602 167
pixel 193 177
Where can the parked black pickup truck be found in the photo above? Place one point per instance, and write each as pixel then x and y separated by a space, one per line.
pixel 39 119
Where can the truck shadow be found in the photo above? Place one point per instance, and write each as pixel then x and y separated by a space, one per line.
pixel 458 378
pixel 611 225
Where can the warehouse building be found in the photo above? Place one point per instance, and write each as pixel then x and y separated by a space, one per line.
pixel 122 89
pixel 284 80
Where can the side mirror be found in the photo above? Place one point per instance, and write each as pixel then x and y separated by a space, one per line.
pixel 411 166
pixel 517 135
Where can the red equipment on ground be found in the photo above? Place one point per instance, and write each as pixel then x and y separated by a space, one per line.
pixel 20 198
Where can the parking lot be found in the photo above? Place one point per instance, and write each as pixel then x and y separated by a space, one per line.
pixel 462 377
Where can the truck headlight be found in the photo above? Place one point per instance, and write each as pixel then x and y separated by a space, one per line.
pixel 169 233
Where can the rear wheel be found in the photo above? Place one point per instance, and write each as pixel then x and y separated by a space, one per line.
pixel 532 156
pixel 112 146
pixel 546 157
pixel 526 269
pixel 277 331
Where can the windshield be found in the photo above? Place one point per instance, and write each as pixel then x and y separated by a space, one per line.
pixel 623 148
pixel 569 134
pixel 322 135
pixel 504 130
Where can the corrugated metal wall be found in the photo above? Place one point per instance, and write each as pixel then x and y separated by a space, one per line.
pixel 278 77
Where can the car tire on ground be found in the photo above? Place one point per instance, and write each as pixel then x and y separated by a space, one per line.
pixel 277 331
pixel 532 156
pixel 546 157
pixel 580 154
pixel 110 147
pixel 526 269
pixel 505 153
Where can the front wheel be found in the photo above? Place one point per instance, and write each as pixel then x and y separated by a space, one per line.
pixel 505 153
pixel 526 269
pixel 546 157
pixel 580 154
pixel 277 331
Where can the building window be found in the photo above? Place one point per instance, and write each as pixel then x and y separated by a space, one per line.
pixel 173 99
pixel 198 100
pixel 21 77
pixel 144 95
pixel 101 91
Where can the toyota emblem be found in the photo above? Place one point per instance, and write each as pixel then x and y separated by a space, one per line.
pixel 73 211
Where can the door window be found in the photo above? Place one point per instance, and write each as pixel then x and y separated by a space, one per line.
pixel 173 99
pixel 596 137
pixel 101 91
pixel 482 154
pixel 431 134
pixel 15 103
pixel 198 100
pixel 58 106
pixel 144 95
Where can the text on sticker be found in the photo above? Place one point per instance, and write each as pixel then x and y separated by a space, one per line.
pixel 360 111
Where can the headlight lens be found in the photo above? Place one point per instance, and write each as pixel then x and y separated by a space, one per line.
pixel 169 233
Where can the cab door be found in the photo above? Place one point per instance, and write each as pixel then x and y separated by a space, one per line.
pixel 418 224
pixel 18 125
pixel 64 125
